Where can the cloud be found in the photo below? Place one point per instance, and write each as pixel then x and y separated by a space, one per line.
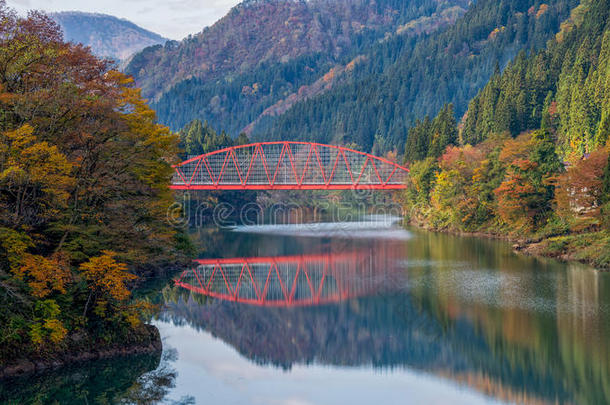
pixel 23 3
pixel 174 19
pixel 295 401
pixel 146 10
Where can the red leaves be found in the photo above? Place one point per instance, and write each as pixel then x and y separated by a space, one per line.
pixel 579 189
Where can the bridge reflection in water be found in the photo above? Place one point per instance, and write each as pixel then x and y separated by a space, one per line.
pixel 292 280
pixel 467 310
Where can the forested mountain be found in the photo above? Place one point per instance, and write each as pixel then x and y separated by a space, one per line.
pixel 107 36
pixel 564 88
pixel 373 92
pixel 406 78
pixel 264 51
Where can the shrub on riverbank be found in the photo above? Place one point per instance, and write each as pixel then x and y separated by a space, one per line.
pixel 84 174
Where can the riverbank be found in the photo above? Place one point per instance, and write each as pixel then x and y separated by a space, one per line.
pixel 590 248
pixel 145 340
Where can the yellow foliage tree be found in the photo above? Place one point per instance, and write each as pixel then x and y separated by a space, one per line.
pixel 44 275
pixel 106 279
pixel 46 324
pixel 34 175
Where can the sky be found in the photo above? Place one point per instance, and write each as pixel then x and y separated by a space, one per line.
pixel 210 370
pixel 174 19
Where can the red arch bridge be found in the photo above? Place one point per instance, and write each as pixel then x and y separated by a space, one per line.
pixel 291 280
pixel 288 166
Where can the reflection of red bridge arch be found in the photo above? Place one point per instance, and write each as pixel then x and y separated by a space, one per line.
pixel 289 280
pixel 288 166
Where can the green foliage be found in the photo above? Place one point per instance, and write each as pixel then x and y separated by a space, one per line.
pixel 444 131
pixel 13 245
pixel 563 88
pixel 421 181
pixel 605 216
pixel 198 138
pixel 184 244
pixel 548 166
pixel 430 138
pixel 592 248
pixel 555 226
pixel 418 141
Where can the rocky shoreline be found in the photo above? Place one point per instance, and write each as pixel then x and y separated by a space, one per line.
pixel 148 344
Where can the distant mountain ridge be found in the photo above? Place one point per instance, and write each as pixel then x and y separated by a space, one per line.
pixel 108 36
pixel 260 31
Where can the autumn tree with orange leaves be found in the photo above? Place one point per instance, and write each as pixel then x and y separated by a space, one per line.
pixel 525 197
pixel 580 190
pixel 84 175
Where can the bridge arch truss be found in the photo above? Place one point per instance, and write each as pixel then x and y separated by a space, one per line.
pixel 286 166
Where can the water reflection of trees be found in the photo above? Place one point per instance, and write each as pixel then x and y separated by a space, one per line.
pixel 153 387
pixel 553 329
pixel 333 334
pixel 543 342
pixel 137 379
pixel 513 353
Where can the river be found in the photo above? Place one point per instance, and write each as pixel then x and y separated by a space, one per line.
pixel 359 313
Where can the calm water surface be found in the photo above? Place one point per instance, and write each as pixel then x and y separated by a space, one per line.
pixel 360 313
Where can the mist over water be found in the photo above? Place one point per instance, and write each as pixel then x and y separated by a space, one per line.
pixel 365 227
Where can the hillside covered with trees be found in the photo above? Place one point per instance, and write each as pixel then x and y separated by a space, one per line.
pixel 84 174
pixel 406 78
pixel 266 51
pixel 258 31
pixel 372 92
pixel 532 157
pixel 564 88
